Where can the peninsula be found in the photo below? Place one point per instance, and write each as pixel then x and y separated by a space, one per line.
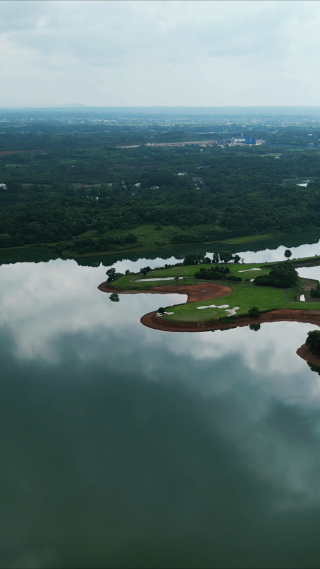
pixel 222 295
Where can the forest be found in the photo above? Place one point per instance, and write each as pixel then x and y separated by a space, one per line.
pixel 70 184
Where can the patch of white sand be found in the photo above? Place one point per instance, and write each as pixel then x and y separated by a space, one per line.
pixel 302 298
pixel 158 279
pixel 232 311
pixel 213 306
pixel 248 270
pixel 161 314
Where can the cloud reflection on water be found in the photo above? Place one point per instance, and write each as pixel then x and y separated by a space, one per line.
pixel 119 439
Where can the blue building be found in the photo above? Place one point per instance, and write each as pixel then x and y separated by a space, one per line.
pixel 250 140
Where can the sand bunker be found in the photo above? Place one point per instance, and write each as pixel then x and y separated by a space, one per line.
pixel 230 312
pixel 158 279
pixel 248 270
pixel 213 306
pixel 302 298
pixel 195 292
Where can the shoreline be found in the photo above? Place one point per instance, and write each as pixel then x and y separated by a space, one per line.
pixel 143 249
pixel 194 292
pixel 151 320
pixel 304 353
pixel 206 291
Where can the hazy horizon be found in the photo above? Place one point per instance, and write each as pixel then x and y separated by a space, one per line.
pixel 159 54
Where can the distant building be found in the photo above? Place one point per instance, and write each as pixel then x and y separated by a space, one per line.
pixel 250 140
pixel 202 167
pixel 3 186
pixel 131 146
pixel 155 187
pixel 137 185
pixel 182 173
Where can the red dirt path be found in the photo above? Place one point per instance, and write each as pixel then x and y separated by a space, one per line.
pixel 194 292
pixel 151 320
pixel 208 291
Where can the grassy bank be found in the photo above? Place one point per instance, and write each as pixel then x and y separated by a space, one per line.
pixel 244 297
pixel 244 294
pixel 149 238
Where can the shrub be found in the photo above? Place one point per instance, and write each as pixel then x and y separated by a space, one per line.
pixel 193 259
pixel 282 275
pixel 254 312
pixel 228 319
pixel 161 310
pixel 233 279
pixel 313 342
pixel 114 297
pixel 112 275
pixel 315 292
pixel 145 270
pixel 212 274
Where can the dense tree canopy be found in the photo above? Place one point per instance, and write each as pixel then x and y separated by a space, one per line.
pixel 282 275
pixel 77 187
pixel 313 342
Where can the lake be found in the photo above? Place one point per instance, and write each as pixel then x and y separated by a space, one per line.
pixel 129 447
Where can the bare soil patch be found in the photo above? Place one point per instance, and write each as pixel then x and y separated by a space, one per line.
pixel 308 284
pixel 308 356
pixel 195 292
pixel 152 320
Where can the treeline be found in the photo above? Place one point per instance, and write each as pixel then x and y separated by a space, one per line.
pixel 197 218
pixel 239 194
pixel 282 275
pixel 216 274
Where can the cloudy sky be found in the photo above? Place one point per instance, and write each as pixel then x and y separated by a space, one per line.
pixel 185 53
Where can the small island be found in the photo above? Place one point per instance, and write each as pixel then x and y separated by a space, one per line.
pixel 223 292
pixel 310 351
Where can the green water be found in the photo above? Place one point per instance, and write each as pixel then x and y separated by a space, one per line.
pixel 123 446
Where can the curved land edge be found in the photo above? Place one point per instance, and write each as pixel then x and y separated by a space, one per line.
pixel 151 320
pixel 195 292
pixel 308 356
pixel 208 291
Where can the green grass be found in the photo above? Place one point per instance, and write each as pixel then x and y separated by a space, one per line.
pixel 131 282
pixel 189 270
pixel 15 165
pixel 316 258
pixel 247 239
pixel 149 238
pixel 244 296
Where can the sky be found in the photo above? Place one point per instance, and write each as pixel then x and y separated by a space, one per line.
pixel 159 53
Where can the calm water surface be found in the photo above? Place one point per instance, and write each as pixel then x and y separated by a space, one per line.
pixel 128 447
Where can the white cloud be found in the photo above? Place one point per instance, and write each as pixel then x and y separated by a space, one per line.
pixel 179 53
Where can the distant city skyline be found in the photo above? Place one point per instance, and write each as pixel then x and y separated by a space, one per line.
pixel 159 53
